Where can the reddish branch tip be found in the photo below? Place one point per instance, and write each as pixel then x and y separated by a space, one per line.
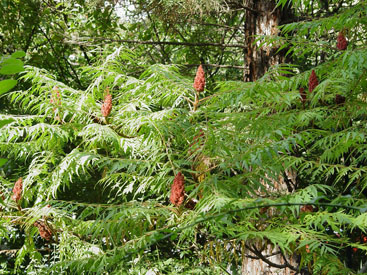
pixel 55 96
pixel 45 231
pixel 303 95
pixel 197 139
pixel 178 190
pixel 199 82
pixel 107 105
pixel 341 43
pixel 312 81
pixel 17 190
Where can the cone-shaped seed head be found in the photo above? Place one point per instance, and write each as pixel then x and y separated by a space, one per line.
pixel 199 82
pixel 17 190
pixel 312 81
pixel 341 42
pixel 178 190
pixel 107 105
pixel 45 231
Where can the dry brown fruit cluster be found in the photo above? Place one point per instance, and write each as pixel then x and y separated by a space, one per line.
pixel 341 43
pixel 17 190
pixel 303 95
pixel 312 81
pixel 178 190
pixel 45 231
pixel 107 105
pixel 199 82
pixel 307 208
pixel 190 204
pixel 339 99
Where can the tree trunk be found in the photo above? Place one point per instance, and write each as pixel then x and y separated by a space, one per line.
pixel 262 18
pixel 270 259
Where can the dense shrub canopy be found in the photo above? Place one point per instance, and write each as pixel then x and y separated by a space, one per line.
pixel 144 171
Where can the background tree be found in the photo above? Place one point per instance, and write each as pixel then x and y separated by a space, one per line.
pixel 43 28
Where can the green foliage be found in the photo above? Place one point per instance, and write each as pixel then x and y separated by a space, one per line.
pixel 45 32
pixel 261 167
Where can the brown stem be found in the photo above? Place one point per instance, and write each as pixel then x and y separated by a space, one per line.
pixel 175 43
pixel 216 66
pixel 196 102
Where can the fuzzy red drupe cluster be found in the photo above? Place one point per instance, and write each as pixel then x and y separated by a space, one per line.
pixel 178 190
pixel 312 81
pixel 17 190
pixel 45 231
pixel 341 42
pixel 199 82
pixel 107 105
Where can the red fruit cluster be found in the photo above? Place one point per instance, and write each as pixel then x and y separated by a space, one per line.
pixel 303 95
pixel 199 82
pixel 361 239
pixel 55 96
pixel 107 105
pixel 178 190
pixel 312 81
pixel 17 190
pixel 45 231
pixel 341 43
pixel 339 99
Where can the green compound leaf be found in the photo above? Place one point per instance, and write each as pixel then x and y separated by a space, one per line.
pixel 6 85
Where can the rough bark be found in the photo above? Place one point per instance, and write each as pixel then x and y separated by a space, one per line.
pixel 265 258
pixel 261 19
